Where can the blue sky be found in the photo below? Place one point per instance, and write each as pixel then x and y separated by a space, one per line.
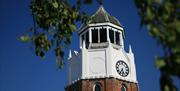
pixel 21 70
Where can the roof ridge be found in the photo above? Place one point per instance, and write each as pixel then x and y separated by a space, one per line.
pixel 117 20
pixel 106 14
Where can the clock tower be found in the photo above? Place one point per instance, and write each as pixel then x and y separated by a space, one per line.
pixel 101 64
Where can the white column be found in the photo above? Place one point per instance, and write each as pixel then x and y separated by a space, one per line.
pixel 80 38
pixel 122 40
pixel 98 34
pixel 90 35
pixel 107 34
pixel 114 36
pixel 84 62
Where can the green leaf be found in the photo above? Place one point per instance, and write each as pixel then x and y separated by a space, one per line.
pixel 40 53
pixel 59 52
pixel 72 27
pixel 47 48
pixel 153 30
pixel 55 5
pixel 149 14
pixel 74 15
pixel 160 63
pixel 166 88
pixel 59 62
pixel 24 38
pixel 176 49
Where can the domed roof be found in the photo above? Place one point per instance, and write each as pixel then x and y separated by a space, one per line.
pixel 101 16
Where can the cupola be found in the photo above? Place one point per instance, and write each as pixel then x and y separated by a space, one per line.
pixel 100 30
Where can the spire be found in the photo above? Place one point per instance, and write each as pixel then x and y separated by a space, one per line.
pixel 76 52
pixel 70 55
pixel 83 44
pixel 130 49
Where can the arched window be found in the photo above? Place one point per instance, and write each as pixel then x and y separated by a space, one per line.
pixel 97 87
pixel 123 87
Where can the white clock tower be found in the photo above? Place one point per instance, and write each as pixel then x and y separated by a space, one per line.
pixel 102 64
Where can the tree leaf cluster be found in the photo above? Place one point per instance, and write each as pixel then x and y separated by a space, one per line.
pixel 54 23
pixel 162 18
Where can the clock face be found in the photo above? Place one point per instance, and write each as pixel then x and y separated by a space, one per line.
pixel 122 68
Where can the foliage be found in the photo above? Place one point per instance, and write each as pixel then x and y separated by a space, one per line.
pixel 54 23
pixel 162 18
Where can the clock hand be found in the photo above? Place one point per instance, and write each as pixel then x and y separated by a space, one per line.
pixel 122 71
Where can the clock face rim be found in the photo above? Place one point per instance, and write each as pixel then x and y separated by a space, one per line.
pixel 124 64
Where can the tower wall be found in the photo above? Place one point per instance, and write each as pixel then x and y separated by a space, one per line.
pixel 102 64
pixel 107 84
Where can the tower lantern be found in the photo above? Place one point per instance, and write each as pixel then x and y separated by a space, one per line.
pixel 101 30
pixel 102 64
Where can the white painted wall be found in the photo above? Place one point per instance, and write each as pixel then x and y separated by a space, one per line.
pixel 100 63
pixel 96 63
